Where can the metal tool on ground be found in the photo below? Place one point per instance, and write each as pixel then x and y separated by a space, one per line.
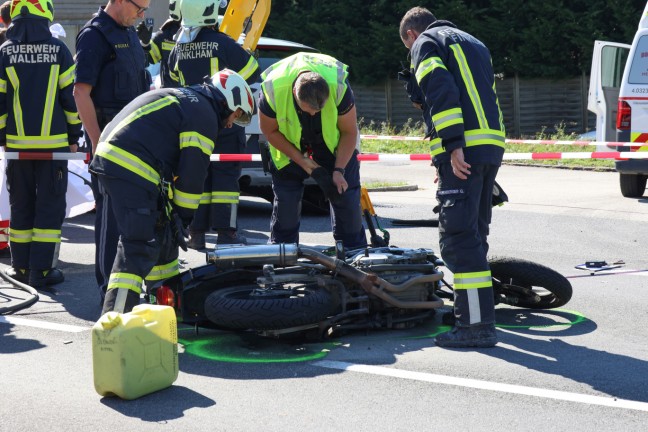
pixel 371 217
pixel 595 266
pixel 246 16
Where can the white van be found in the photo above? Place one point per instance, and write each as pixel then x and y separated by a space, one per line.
pixel 618 95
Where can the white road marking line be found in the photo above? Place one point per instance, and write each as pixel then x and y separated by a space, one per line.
pixel 42 324
pixel 485 385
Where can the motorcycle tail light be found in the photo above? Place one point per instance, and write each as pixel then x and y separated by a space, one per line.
pixel 165 296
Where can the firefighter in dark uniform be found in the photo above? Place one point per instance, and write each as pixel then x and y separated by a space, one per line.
pixel 202 50
pixel 37 114
pixel 455 73
pixel 161 44
pixel 158 46
pixel 307 109
pixel 152 161
pixel 110 73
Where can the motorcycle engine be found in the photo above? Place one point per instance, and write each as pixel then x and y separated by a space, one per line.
pixel 398 266
pixel 393 256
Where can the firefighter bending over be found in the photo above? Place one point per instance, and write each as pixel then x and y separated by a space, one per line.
pixel 455 73
pixel 152 161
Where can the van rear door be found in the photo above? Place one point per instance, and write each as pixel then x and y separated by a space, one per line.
pixel 608 63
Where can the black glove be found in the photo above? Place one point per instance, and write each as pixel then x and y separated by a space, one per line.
pixel 499 196
pixel 144 33
pixel 180 232
pixel 325 182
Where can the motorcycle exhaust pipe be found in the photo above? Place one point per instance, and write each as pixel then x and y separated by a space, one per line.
pixel 370 282
pixel 243 256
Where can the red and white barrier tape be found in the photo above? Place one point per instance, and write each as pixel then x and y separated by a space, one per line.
pixel 384 157
pixel 513 156
pixel 44 156
pixel 366 157
pixel 519 141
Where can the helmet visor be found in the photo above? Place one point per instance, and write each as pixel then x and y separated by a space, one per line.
pixel 244 120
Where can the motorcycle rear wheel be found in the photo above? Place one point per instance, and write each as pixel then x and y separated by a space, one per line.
pixel 239 308
pixel 553 289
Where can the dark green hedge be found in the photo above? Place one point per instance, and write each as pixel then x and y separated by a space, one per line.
pixel 534 38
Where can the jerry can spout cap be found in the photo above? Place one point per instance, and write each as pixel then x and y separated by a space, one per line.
pixel 110 320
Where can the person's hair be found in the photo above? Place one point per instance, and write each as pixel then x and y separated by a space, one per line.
pixel 3 35
pixel 417 19
pixel 5 13
pixel 312 89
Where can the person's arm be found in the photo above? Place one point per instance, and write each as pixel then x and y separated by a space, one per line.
pixel 86 109
pixel 348 126
pixel 442 96
pixel 270 128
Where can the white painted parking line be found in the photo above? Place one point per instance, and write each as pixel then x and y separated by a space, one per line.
pixel 42 324
pixel 485 385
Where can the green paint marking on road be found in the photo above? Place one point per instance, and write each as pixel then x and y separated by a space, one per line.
pixel 579 318
pixel 233 348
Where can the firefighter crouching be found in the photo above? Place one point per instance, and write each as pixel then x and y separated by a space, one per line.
pixel 37 114
pixel 152 161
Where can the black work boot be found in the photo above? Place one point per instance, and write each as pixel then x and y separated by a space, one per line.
pixel 21 275
pixel 230 236
pixel 196 240
pixel 478 336
pixel 42 278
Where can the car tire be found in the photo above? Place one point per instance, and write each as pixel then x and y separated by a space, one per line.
pixel 632 185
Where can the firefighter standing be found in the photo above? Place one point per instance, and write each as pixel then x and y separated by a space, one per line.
pixel 455 73
pixel 152 161
pixel 37 114
pixel 162 43
pixel 110 72
pixel 202 50
pixel 307 108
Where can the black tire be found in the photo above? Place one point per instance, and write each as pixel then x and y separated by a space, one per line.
pixel 553 289
pixel 632 185
pixel 237 308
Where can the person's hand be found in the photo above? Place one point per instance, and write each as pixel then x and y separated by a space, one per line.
pixel 144 33
pixel 308 165
pixel 180 231
pixel 340 182
pixel 326 183
pixel 460 168
pixel 74 147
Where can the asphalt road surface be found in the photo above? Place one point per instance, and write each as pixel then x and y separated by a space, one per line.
pixel 580 368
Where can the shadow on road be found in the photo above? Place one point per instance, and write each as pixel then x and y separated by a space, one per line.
pixel 603 371
pixel 12 344
pixel 155 407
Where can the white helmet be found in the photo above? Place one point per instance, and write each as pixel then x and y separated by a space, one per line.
pixel 237 94
pixel 174 10
pixel 199 13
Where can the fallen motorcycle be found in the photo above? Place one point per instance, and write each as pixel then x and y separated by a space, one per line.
pixel 292 289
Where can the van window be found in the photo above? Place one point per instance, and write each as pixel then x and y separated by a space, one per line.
pixel 639 68
pixel 613 60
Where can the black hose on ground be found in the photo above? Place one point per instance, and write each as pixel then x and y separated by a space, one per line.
pixel 416 222
pixel 23 304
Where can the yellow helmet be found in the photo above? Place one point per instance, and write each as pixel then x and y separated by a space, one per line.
pixel 34 8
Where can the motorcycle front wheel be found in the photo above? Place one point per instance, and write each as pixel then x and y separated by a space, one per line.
pixel 527 284
pixel 244 307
